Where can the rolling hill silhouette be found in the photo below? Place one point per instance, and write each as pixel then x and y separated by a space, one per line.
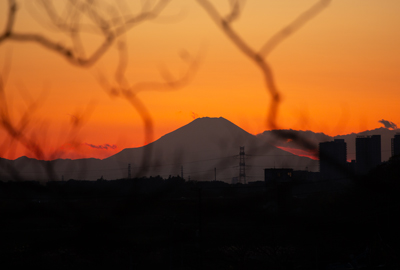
pixel 315 138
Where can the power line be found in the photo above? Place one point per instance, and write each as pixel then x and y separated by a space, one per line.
pixel 138 167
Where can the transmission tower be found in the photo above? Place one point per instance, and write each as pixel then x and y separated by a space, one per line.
pixel 242 166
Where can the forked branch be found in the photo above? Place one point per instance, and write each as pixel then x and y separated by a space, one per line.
pixel 259 57
pixel 110 28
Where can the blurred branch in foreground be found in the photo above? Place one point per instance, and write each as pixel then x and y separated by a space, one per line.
pixel 109 25
pixel 110 21
pixel 259 56
pixel 123 89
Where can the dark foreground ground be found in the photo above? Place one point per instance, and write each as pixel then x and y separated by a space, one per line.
pixel 172 224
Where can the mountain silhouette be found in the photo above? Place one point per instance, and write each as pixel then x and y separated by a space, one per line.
pixel 206 144
pixel 200 139
pixel 198 148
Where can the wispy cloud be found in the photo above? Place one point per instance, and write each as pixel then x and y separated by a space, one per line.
pixel 195 115
pixel 300 152
pixel 105 146
pixel 388 124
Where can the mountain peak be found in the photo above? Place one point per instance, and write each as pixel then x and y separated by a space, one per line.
pixel 209 127
pixel 210 119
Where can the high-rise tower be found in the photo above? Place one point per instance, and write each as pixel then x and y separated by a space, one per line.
pixel 332 159
pixel 396 145
pixel 368 153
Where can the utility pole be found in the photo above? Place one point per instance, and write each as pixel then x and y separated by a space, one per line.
pixel 215 174
pixel 242 166
pixel 129 171
pixel 182 172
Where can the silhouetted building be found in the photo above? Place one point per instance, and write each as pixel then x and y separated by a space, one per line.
pixel 301 176
pixel 274 176
pixel 352 167
pixel 279 184
pixel 332 159
pixel 396 145
pixel 235 180
pixel 368 153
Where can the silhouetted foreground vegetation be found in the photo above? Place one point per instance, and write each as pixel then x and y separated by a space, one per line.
pixel 154 223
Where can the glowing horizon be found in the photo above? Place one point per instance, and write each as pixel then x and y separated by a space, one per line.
pixel 338 75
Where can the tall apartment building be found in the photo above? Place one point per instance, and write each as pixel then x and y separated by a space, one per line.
pixel 368 153
pixel 332 159
pixel 396 145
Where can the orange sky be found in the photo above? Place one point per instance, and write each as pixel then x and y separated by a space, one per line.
pixel 338 74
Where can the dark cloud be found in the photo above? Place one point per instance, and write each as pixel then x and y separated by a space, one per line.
pixel 105 146
pixel 388 124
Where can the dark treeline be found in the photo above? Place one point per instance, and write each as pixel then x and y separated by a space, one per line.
pixel 173 187
pixel 176 224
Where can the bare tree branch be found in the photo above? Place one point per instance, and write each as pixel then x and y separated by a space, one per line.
pixel 109 29
pixel 252 54
pixel 130 93
pixel 293 27
pixel 12 10
pixel 235 11
pixel 111 24
pixel 258 57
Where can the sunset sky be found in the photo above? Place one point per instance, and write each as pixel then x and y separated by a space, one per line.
pixel 338 74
